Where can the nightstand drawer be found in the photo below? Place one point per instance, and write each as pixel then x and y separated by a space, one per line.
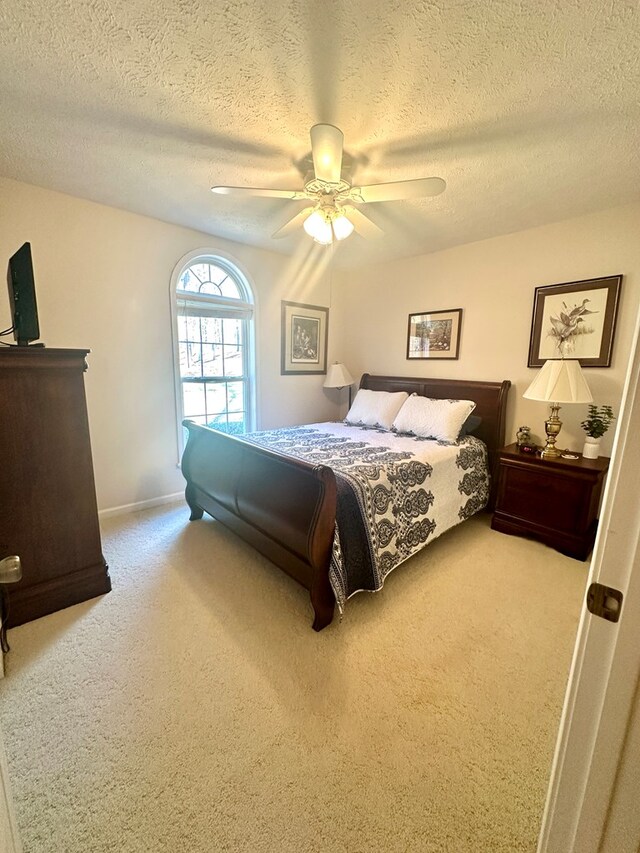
pixel 545 499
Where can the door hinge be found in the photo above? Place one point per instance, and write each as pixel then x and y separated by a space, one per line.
pixel 604 601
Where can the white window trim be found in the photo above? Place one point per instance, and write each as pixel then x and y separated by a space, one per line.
pixel 228 262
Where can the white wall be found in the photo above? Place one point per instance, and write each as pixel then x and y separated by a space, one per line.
pixel 102 282
pixel 493 281
pixel 102 279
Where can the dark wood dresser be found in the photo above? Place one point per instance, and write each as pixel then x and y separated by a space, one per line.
pixel 553 500
pixel 48 509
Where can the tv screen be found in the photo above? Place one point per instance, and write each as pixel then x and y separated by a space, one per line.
pixel 22 296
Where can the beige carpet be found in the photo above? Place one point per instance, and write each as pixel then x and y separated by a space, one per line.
pixel 194 709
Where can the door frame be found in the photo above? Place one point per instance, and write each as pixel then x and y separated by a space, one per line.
pixel 602 701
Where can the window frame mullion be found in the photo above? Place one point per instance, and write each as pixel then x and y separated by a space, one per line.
pixel 210 380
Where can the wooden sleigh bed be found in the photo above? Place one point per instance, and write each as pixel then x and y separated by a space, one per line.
pixel 286 507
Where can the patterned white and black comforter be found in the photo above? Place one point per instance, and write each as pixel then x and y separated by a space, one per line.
pixel 396 493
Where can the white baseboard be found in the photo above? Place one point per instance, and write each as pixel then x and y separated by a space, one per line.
pixel 177 497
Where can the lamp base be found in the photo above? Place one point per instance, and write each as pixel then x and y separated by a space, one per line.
pixel 550 452
pixel 552 427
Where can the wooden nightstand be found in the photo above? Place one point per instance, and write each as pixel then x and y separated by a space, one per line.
pixel 555 501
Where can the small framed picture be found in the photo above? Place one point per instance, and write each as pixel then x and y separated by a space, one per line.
pixel 434 334
pixel 575 320
pixel 305 330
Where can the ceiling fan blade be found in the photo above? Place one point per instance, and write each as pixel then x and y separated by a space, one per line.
pixel 258 191
pixel 363 225
pixel 326 147
pixel 418 188
pixel 292 224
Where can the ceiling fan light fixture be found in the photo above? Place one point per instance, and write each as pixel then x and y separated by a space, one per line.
pixel 342 227
pixel 333 212
pixel 317 226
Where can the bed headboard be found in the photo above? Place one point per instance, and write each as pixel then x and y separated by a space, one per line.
pixel 490 399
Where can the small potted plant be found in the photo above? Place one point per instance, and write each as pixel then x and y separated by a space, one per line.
pixel 595 425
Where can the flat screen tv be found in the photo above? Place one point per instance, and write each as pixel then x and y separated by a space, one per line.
pixel 22 296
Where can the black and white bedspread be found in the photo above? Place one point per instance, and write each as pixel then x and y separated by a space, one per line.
pixel 396 493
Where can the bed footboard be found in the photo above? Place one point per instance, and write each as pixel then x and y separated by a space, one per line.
pixel 284 507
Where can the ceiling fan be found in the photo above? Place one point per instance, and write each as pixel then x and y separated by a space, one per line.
pixel 333 212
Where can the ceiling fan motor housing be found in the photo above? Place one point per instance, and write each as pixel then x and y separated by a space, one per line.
pixel 315 186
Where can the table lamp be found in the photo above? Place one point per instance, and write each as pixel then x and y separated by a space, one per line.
pixel 337 377
pixel 559 381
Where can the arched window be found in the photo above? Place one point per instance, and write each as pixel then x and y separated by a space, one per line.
pixel 212 306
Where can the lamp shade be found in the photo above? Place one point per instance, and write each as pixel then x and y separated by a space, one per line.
pixel 338 376
pixel 317 226
pixel 560 381
pixel 342 227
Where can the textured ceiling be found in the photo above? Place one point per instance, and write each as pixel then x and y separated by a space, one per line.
pixel 529 110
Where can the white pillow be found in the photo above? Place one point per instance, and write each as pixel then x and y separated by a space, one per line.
pixel 427 418
pixel 376 408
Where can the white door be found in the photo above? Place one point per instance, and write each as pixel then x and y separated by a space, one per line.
pixel 593 803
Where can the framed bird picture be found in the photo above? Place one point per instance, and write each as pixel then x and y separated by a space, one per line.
pixel 575 320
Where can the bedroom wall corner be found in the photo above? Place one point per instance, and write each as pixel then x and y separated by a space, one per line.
pixel 288 400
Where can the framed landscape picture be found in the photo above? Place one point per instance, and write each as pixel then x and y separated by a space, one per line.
pixel 305 329
pixel 434 334
pixel 575 320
